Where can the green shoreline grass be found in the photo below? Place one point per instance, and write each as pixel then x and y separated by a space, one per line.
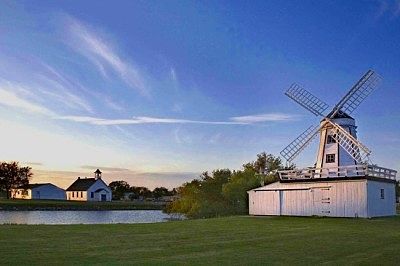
pixel 232 240
pixel 29 205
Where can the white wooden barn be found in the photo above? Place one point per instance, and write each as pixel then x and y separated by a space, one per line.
pixel 38 191
pixel 341 183
pixel 353 197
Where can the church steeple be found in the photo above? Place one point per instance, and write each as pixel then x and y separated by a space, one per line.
pixel 97 174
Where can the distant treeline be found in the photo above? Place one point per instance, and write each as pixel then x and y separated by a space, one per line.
pixel 121 190
pixel 224 192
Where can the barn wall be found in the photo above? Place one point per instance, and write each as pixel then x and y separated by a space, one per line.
pixel 296 202
pixel 334 198
pixel 378 206
pixel 264 202
pixel 48 192
pixel 349 199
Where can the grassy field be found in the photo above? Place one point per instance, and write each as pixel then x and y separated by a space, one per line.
pixel 15 204
pixel 232 240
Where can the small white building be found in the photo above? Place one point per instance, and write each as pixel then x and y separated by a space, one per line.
pixel 38 191
pixel 89 189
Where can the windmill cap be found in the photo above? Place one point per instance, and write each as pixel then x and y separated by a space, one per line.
pixel 339 114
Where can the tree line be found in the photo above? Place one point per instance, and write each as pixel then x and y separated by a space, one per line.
pixel 224 192
pixel 121 189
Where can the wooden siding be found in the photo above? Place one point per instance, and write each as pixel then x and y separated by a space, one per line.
pixel 335 198
pixel 378 206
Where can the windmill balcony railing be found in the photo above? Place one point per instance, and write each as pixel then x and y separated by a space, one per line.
pixel 335 172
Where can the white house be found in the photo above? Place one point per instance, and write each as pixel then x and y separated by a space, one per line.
pixel 89 189
pixel 38 191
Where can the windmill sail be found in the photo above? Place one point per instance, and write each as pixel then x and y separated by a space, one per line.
pixel 357 93
pixel 306 99
pixel 300 143
pixel 354 147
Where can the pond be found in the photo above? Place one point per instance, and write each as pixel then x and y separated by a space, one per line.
pixel 85 217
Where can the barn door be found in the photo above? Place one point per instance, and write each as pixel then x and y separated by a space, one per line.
pixel 322 201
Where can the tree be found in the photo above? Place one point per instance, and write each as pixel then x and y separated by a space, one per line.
pixel 119 188
pixel 235 191
pixel 13 176
pixel 159 192
pixel 265 163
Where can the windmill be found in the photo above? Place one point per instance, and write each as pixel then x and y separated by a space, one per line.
pixel 339 146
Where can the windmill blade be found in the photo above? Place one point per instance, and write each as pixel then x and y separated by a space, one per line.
pixel 354 147
pixel 357 93
pixel 300 143
pixel 306 99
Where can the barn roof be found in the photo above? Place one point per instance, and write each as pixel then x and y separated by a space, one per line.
pixel 30 186
pixel 81 184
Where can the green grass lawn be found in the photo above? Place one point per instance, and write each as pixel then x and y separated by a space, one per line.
pixel 18 204
pixel 232 240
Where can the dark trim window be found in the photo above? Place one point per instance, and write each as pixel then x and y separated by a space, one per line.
pixel 73 194
pixel 81 194
pixel 92 195
pixel 330 139
pixel 382 193
pixel 330 158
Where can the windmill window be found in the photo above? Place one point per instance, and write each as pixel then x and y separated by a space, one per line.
pixel 382 193
pixel 330 158
pixel 331 139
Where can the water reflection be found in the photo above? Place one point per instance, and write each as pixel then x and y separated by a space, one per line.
pixel 84 217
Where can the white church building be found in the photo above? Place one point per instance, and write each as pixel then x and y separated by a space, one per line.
pixel 342 182
pixel 89 189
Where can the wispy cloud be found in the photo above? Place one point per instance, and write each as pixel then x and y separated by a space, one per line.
pixel 90 44
pixel 397 9
pixel 9 97
pixel 142 120
pixel 271 117
pixel 390 8
pixel 59 86
pixel 239 120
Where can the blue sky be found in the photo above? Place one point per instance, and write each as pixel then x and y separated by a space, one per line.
pixel 155 92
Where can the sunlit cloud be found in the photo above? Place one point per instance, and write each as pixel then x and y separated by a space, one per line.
pixel 151 179
pixel 104 168
pixel 96 49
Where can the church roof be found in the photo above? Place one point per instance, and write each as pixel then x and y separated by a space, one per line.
pixel 81 184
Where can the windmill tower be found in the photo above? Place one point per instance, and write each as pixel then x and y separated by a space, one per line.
pixel 338 145
pixel 342 183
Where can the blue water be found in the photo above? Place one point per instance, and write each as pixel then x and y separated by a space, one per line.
pixel 84 217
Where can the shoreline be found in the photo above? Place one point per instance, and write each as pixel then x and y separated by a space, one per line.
pixel 64 205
